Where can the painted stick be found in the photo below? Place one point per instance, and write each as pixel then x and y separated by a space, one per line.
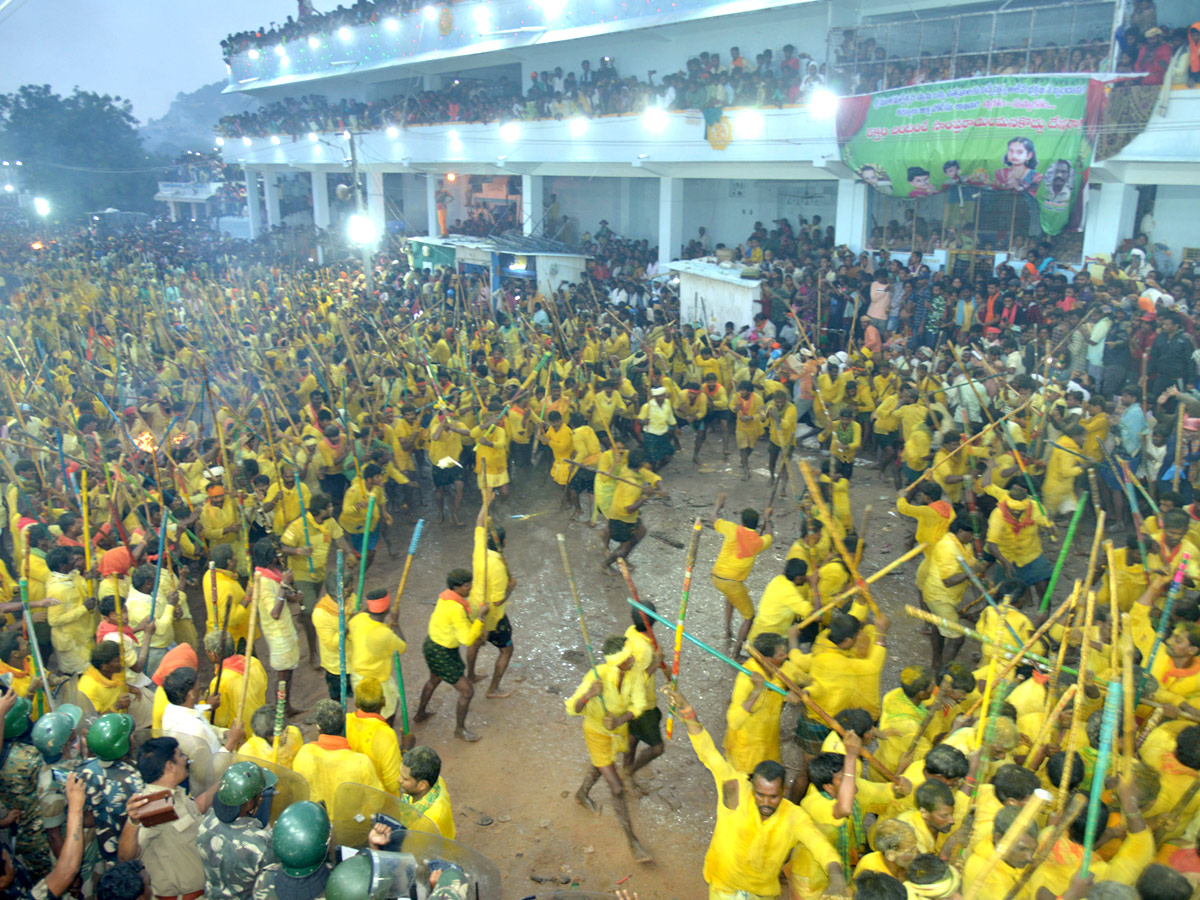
pixel 1020 825
pixel 1062 555
pixel 87 525
pixel 1032 759
pixel 256 589
pixel 633 592
pixel 587 643
pixel 886 570
pixel 341 605
pixel 1128 725
pixel 412 551
pixel 158 563
pixel 1108 731
pixel 705 647
pixel 400 686
pixel 280 718
pixel 1094 556
pixel 693 545
pixel 982 588
pixel 212 575
pixel 915 613
pixel 362 559
pixel 38 665
pixel 1153 722
pixel 1064 787
pixel 1160 635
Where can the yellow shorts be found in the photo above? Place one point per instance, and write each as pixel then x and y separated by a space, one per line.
pixel 948 610
pixel 603 746
pixel 493 481
pixel 284 653
pixel 737 595
pixel 746 439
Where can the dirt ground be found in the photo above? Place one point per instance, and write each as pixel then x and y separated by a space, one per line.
pixel 512 791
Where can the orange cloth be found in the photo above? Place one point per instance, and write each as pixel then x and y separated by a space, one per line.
pixel 181 656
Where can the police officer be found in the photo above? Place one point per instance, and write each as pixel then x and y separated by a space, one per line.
pixel 110 779
pixel 234 846
pixel 300 840
pixel 20 765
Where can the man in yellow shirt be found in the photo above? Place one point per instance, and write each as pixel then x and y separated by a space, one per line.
pixel 1013 538
pixel 847 662
pixel 780 415
pixel 261 744
pixel 271 588
pixel 307 544
pixel 1004 875
pixel 747 411
pixel 423 787
pixel 234 672
pixel 452 624
pixel 845 440
pixel 371 734
pixel 492 585
pixel 328 761
pixel 223 591
pixel 72 620
pixel 946 582
pixel 610 696
pixel 786 600
pixel 752 719
pixel 742 545
pixel 932 815
pixel 371 647
pixel 445 449
pixel 355 504
pixel 636 484
pixel 757 826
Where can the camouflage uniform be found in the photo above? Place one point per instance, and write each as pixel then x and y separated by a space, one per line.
pixel 274 883
pixel 109 786
pixel 19 791
pixel 233 853
pixel 450 886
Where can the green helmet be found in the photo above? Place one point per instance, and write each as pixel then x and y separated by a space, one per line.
pixel 51 733
pixel 301 838
pixel 108 737
pixel 351 880
pixel 241 782
pixel 16 722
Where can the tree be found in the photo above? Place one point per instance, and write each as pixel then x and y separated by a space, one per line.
pixel 81 152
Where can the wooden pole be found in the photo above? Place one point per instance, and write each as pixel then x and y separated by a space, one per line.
pixel 1020 825
pixel 1064 787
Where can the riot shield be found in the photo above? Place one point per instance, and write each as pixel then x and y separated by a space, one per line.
pixel 200 757
pixel 354 806
pixel 291 788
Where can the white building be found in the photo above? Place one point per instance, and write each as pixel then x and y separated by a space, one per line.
pixel 653 175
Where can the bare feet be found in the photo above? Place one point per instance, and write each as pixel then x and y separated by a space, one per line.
pixel 475 679
pixel 640 854
pixel 497 694
pixel 423 716
pixel 464 735
pixel 587 802
pixel 607 570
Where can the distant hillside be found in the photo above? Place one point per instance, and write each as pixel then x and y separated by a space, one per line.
pixel 188 124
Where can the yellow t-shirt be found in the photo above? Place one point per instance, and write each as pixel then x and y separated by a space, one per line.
pixel 739 550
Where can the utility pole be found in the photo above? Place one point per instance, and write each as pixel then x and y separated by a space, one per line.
pixel 367 252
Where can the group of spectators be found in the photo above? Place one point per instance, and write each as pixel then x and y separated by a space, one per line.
pixel 362 12
pixel 862 65
pixel 707 82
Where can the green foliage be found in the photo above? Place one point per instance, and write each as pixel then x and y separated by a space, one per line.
pixel 81 152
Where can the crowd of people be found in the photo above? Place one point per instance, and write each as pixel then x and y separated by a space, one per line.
pixel 194 419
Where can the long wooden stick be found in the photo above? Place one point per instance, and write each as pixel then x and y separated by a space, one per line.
pixel 935 706
pixel 693 546
pixel 916 613
pixel 827 517
pixel 1049 839
pixel 1031 759
pixel 587 643
pixel 256 587
pixel 1064 786
pixel 966 442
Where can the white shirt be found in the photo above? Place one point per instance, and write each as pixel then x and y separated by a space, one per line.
pixel 183 720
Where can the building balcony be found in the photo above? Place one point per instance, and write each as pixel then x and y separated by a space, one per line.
pixel 444 35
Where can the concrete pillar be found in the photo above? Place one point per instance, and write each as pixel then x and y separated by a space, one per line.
pixel 174 210
pixel 320 199
pixel 850 224
pixel 1111 211
pixel 670 218
pixel 271 190
pixel 375 201
pixel 532 206
pixel 253 207
pixel 431 187
pixel 625 209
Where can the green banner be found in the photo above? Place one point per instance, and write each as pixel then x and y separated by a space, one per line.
pixel 1028 134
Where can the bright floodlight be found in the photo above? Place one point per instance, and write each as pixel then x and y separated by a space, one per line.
pixel 275 139
pixel 41 206
pixel 220 142
pixel 246 141
pixel 579 126
pixel 285 61
pixel 391 24
pixel 9 188
pixel 344 33
pixel 510 131
pixel 553 8
pixel 749 124
pixel 655 120
pixel 823 103
pixel 430 13
pixel 279 51
pixel 253 54
pixel 312 136
pixel 313 42
pixel 483 19
pixel 361 230
pixel 393 132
